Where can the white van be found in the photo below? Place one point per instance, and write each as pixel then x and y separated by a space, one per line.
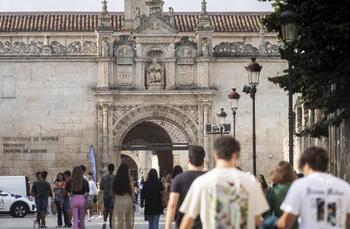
pixel 14 184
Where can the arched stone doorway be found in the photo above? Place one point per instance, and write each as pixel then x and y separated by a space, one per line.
pixel 157 130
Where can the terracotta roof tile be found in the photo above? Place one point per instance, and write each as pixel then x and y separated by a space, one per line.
pixel 87 22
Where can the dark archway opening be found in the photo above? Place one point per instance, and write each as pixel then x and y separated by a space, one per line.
pixel 153 135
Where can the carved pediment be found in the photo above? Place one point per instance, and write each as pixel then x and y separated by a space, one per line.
pixel 155 25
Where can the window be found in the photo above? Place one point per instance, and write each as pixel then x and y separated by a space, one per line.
pixel 8 87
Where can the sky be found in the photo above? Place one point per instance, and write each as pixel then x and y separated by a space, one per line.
pixel 118 5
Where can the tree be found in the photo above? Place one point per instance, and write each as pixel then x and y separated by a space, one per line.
pixel 320 57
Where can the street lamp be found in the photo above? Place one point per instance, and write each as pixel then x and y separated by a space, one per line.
pixel 222 116
pixel 222 128
pixel 234 98
pixel 289 28
pixel 253 70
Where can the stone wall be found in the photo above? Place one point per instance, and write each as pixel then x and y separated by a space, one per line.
pixel 49 121
pixel 271 110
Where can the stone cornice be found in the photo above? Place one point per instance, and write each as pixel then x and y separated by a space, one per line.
pixel 193 92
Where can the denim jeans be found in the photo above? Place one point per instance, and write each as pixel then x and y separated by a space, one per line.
pixel 59 208
pixel 153 221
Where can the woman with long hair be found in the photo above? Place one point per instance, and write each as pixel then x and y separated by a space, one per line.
pixel 58 190
pixel 123 213
pixel 282 177
pixel 151 195
pixel 176 171
pixel 78 188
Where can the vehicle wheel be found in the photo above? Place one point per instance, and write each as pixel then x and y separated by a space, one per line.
pixel 19 210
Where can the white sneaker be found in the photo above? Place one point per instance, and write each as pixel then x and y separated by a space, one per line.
pixel 35 222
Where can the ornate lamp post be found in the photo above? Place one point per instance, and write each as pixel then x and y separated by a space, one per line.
pixel 234 98
pixel 289 28
pixel 222 116
pixel 253 70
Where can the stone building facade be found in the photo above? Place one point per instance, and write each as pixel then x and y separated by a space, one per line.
pixel 337 142
pixel 142 80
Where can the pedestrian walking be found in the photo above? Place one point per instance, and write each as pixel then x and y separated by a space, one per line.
pixel 106 185
pixel 91 197
pixel 59 187
pixel 321 200
pixel 123 213
pixel 137 192
pixel 151 198
pixel 224 197
pixel 181 185
pixel 78 188
pixel 282 177
pixel 67 214
pixel 41 190
pixel 99 203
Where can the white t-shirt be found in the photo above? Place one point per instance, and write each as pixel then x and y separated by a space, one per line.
pixel 321 200
pixel 93 188
pixel 225 198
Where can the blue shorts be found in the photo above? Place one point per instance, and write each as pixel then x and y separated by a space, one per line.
pixel 41 204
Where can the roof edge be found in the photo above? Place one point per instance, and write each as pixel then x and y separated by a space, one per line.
pixel 121 13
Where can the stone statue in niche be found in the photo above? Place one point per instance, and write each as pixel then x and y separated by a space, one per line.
pixel 155 74
pixel 105 48
pixel 205 47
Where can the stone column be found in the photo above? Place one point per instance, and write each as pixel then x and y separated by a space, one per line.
pixel 204 72
pixel 106 157
pixel 206 139
pixel 170 74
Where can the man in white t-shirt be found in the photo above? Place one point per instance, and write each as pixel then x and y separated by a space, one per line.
pixel 224 197
pixel 321 200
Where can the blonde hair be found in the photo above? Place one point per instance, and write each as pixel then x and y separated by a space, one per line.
pixel 283 173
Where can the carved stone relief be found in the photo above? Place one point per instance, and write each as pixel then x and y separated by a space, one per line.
pixel 105 48
pixel 185 51
pixel 233 49
pixel 185 75
pixel 37 48
pixel 190 110
pixel 124 50
pixel 119 112
pixel 125 75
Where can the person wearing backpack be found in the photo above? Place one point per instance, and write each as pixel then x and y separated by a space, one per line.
pixel 58 190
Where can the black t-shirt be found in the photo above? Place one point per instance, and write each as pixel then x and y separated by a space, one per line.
pixel 41 189
pixel 85 188
pixel 181 185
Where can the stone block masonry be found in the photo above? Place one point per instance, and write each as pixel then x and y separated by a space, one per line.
pixel 50 124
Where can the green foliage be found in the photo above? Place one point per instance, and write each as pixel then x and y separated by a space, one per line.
pixel 320 57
